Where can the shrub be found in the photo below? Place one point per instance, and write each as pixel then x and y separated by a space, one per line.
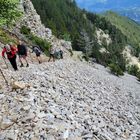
pixel 86 58
pixel 42 43
pixel 66 37
pixel 133 70
pixel 138 75
pixel 115 69
pixel 5 37
pixel 25 30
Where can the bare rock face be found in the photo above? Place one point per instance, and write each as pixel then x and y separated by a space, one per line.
pixel 32 20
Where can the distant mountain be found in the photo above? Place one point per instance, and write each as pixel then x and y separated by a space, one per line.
pixel 128 8
pixel 133 13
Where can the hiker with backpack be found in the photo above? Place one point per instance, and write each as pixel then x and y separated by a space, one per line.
pixel 52 53
pixel 22 53
pixel 37 51
pixel 10 51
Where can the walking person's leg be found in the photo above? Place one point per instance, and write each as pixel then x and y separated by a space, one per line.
pixel 53 57
pixel 13 62
pixel 50 57
pixel 38 59
pixel 61 54
pixel 20 57
pixel 27 64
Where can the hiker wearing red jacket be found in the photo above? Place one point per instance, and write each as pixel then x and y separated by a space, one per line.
pixel 10 51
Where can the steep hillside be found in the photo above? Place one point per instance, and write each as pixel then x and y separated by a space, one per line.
pixel 63 17
pixel 128 27
pixel 69 100
pixel 67 21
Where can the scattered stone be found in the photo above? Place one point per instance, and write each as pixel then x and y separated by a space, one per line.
pixel 5 124
pixel 18 85
pixel 66 134
pixel 70 100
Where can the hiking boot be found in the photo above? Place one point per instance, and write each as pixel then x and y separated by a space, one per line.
pixel 21 65
pixel 27 65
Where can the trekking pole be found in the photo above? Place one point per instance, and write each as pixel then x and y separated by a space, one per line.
pixel 5 63
pixel 3 76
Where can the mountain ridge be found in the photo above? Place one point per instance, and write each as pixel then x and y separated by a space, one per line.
pixel 125 7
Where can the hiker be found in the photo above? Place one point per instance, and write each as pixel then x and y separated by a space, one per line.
pixel 11 51
pixel 22 53
pixel 52 54
pixel 61 50
pixel 61 53
pixel 37 51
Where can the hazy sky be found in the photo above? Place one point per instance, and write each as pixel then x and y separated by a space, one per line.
pixel 101 5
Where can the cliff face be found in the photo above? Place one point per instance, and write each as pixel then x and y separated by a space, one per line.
pixel 32 20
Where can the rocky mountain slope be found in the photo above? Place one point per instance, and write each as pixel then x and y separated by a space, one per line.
pixel 66 99
pixel 69 100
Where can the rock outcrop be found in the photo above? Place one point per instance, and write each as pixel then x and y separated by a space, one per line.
pixel 32 20
pixel 70 100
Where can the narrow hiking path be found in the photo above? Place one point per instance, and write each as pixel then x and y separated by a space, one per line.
pixel 70 99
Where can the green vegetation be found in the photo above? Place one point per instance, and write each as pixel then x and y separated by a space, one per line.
pixel 134 70
pixel 9 11
pixel 69 22
pixel 25 30
pixel 6 37
pixel 42 43
pixel 115 69
pixel 128 27
pixel 138 75
pixel 114 50
pixel 63 17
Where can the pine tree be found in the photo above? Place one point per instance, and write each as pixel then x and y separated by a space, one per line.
pixel 85 43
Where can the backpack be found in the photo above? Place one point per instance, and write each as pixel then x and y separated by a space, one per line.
pixel 37 50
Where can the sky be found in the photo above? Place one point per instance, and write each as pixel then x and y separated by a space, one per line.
pixel 103 5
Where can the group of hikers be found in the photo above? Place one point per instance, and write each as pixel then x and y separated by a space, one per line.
pixel 12 50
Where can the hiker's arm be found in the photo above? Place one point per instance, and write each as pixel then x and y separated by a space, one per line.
pixel 3 53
